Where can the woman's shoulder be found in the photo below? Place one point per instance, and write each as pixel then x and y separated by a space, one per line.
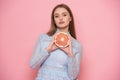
pixel 43 36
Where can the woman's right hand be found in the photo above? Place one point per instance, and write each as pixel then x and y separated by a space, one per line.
pixel 52 46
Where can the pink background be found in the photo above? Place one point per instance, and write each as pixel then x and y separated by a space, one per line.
pixel 97 26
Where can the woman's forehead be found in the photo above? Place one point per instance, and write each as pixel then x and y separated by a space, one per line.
pixel 60 11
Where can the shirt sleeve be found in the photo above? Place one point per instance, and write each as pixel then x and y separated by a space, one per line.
pixel 40 53
pixel 74 64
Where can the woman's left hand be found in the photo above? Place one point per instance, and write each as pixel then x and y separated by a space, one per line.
pixel 68 49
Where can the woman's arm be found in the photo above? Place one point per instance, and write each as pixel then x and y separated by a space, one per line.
pixel 74 64
pixel 40 53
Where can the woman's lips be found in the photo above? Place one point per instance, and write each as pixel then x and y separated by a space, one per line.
pixel 61 22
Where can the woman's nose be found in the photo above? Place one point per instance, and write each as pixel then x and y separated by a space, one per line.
pixel 61 18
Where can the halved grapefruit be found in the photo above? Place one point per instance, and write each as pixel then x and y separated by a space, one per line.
pixel 62 39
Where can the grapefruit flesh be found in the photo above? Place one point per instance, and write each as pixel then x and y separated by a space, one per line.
pixel 62 39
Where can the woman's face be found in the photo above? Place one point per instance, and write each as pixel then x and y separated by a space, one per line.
pixel 62 18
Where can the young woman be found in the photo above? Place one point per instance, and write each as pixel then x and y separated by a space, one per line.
pixel 58 63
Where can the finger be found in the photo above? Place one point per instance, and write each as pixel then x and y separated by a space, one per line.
pixel 70 39
pixel 52 41
pixel 55 47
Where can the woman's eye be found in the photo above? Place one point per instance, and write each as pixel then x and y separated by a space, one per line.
pixel 56 16
pixel 64 15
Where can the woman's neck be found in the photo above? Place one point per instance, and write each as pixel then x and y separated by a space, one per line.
pixel 62 30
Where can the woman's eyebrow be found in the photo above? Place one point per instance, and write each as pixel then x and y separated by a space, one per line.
pixel 64 12
pixel 56 14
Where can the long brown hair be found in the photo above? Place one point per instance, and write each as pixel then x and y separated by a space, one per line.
pixel 53 26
